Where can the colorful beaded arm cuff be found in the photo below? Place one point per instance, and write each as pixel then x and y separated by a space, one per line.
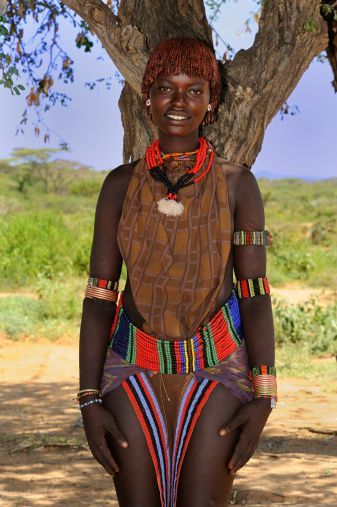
pixel 252 287
pixel 102 289
pixel 262 370
pixel 263 238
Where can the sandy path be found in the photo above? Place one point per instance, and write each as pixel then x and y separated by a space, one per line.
pixel 45 460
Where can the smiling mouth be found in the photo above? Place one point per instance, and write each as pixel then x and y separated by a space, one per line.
pixel 176 117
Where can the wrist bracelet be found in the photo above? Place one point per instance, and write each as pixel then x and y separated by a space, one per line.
pixel 96 400
pixel 86 392
pixel 264 383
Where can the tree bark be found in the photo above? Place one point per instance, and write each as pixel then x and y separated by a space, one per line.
pixel 257 81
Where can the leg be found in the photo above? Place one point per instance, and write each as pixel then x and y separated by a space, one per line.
pixel 204 479
pixel 136 482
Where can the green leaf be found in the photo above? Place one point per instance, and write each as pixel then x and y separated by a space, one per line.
pixel 335 16
pixel 21 87
pixel 3 31
pixel 16 90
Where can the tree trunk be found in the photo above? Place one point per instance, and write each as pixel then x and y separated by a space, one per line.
pixel 257 81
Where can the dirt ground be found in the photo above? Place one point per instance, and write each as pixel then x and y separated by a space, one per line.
pixel 45 461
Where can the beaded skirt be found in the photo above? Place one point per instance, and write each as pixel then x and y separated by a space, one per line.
pixel 217 352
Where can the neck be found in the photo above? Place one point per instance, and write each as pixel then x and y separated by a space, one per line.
pixel 175 144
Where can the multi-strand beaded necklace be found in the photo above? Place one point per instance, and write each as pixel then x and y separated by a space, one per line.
pixel 155 165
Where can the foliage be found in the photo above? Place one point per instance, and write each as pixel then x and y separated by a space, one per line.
pixel 35 243
pixel 308 324
pixel 304 233
pixel 89 188
pixel 8 71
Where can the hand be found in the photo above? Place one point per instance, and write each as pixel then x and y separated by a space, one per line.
pixel 98 421
pixel 251 418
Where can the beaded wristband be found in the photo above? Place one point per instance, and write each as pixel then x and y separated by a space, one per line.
pixel 96 400
pixel 252 287
pixel 89 393
pixel 263 238
pixel 102 289
pixel 86 392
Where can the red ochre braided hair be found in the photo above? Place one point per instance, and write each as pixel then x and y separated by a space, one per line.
pixel 184 55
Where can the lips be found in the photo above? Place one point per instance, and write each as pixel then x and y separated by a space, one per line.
pixel 176 116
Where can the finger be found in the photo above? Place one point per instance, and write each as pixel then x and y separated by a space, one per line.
pixel 117 435
pixel 232 425
pixel 239 450
pixel 100 460
pixel 106 459
pixel 245 457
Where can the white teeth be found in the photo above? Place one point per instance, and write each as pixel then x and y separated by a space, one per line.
pixel 176 117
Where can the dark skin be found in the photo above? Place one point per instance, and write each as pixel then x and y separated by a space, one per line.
pixel 112 430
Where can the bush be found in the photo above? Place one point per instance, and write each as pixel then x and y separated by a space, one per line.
pixel 18 316
pixel 60 299
pixel 88 188
pixel 38 243
pixel 309 325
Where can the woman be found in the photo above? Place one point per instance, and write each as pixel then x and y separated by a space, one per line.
pixel 177 380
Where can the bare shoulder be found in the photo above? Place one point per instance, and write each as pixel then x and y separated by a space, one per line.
pixel 116 184
pixel 120 176
pixel 241 181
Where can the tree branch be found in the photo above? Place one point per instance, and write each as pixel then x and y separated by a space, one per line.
pixel 125 45
pixel 260 79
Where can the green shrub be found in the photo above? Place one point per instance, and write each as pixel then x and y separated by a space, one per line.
pixel 88 188
pixel 18 316
pixel 38 243
pixel 59 299
pixel 307 324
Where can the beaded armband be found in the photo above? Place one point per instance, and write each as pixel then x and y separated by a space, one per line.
pixel 102 289
pixel 264 382
pixel 252 287
pixel 262 238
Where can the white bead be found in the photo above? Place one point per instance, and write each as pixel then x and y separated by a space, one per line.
pixel 170 207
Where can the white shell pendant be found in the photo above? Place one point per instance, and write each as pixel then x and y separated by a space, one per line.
pixel 170 207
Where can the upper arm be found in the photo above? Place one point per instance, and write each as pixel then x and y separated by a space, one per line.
pixel 249 260
pixel 105 259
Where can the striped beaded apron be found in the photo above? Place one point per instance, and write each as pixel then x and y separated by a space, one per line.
pixel 212 343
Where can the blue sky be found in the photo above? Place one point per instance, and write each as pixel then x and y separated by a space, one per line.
pixel 300 145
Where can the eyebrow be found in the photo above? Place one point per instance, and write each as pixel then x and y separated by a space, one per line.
pixel 163 78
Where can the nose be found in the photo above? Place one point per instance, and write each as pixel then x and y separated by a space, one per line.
pixel 179 99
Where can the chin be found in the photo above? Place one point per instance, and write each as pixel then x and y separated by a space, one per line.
pixel 177 131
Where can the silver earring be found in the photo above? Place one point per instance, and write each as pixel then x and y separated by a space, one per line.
pixel 148 102
pixel 209 107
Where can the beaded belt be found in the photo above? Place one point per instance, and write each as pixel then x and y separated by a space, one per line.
pixel 214 341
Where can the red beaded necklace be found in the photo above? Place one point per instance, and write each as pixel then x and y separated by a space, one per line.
pixel 155 165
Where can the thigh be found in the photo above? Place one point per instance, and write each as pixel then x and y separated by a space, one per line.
pixel 204 479
pixel 136 481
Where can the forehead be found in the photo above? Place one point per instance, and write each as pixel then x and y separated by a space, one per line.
pixel 182 78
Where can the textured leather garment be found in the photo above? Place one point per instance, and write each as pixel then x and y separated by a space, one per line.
pixel 176 265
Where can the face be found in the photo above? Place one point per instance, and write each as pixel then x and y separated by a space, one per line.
pixel 179 103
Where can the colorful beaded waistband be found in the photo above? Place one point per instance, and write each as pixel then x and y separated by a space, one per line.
pixel 213 342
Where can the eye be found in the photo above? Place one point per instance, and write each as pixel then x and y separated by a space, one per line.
pixel 196 92
pixel 163 88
